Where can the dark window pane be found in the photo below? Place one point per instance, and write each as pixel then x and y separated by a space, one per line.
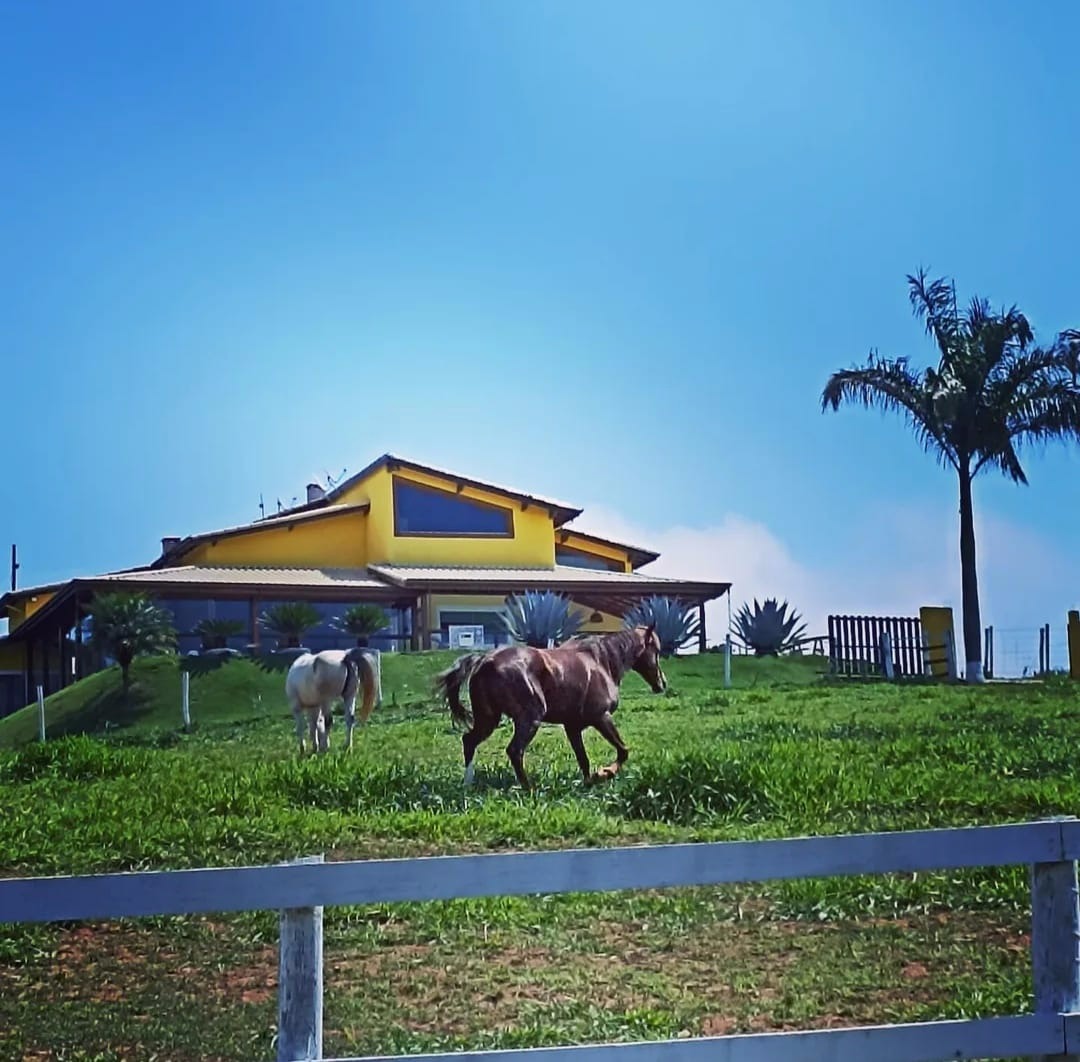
pixel 423 511
pixel 575 558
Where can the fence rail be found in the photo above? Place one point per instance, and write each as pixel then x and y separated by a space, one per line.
pixel 300 890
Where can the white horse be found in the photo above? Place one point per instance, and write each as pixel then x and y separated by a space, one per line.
pixel 316 680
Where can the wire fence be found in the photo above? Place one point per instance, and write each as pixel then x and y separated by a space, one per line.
pixel 1016 651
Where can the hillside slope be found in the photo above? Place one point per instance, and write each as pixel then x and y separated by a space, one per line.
pixel 245 690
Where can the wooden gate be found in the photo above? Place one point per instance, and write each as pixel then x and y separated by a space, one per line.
pixel 856 646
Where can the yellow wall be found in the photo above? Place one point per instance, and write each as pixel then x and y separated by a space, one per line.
pixel 533 543
pixel 936 622
pixel 584 545
pixel 20 612
pixel 13 657
pixel 332 542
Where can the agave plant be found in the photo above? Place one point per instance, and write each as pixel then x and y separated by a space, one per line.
pixel 362 621
pixel 290 621
pixel 676 624
pixel 769 629
pixel 541 619
pixel 215 633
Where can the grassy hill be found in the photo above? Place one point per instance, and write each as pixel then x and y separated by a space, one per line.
pixel 243 690
pixel 780 754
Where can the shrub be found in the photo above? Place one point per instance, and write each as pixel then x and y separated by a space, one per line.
pixel 290 621
pixel 769 629
pixel 676 624
pixel 125 625
pixel 215 633
pixel 540 619
pixel 362 621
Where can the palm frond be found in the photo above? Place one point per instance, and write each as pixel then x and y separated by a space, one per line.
pixel 891 387
pixel 934 303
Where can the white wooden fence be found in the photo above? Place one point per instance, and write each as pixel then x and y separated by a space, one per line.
pixel 299 891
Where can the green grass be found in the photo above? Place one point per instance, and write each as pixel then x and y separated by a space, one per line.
pixel 780 754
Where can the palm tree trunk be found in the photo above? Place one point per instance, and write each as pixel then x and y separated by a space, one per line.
pixel 969 582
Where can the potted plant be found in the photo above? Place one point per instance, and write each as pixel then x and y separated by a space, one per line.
pixel 290 621
pixel 215 633
pixel 362 621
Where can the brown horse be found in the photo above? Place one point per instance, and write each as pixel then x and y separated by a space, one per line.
pixel 575 684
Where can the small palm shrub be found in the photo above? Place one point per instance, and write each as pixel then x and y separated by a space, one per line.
pixel 290 621
pixel 676 624
pixel 769 630
pixel 125 625
pixel 542 618
pixel 215 633
pixel 362 621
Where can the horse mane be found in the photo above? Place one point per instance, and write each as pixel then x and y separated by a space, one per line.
pixel 615 649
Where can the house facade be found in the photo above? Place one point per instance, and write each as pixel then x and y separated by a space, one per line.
pixel 440 552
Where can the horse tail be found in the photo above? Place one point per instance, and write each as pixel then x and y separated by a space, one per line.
pixel 360 673
pixel 448 685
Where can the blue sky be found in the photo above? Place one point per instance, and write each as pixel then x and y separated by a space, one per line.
pixel 609 252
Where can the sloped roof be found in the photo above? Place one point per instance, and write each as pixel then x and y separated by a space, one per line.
pixel 562 512
pixel 186 544
pixel 638 555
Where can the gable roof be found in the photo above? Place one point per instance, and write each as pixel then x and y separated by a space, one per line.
pixel 561 512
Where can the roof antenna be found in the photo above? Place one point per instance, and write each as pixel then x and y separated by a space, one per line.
pixel 14 564
pixel 262 507
pixel 332 482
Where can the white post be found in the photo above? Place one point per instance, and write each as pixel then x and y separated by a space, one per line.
pixel 300 981
pixel 185 698
pixel 1055 940
pixel 727 662
pixel 41 713
pixel 886 655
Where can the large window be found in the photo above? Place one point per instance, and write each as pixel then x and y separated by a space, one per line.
pixel 420 510
pixel 578 558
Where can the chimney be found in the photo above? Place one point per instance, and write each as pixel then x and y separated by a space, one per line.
pixel 315 493
pixel 168 542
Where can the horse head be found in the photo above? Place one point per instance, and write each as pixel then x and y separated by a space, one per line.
pixel 647 658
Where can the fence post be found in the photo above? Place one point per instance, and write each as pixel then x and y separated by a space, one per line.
pixel 1073 629
pixel 886 655
pixel 1055 940
pixel 300 981
pixel 41 713
pixel 727 662
pixel 185 698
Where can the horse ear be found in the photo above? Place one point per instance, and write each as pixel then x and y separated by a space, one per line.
pixel 650 630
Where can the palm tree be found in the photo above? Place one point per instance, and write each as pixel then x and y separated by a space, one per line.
pixel 125 626
pixel 993 391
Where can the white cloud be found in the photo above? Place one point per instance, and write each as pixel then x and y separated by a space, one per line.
pixel 889 562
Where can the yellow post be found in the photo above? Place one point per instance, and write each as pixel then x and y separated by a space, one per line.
pixel 937 625
pixel 1073 629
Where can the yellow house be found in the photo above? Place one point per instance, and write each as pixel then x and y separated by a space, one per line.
pixel 439 551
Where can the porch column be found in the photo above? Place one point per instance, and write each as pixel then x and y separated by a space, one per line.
pixel 253 621
pixel 701 627
pixel 61 649
pixel 28 674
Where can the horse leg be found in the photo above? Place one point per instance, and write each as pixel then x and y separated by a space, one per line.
pixel 320 723
pixel 349 704
pixel 483 726
pixel 298 721
pixel 606 725
pixel 573 735
pixel 314 716
pixel 525 728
